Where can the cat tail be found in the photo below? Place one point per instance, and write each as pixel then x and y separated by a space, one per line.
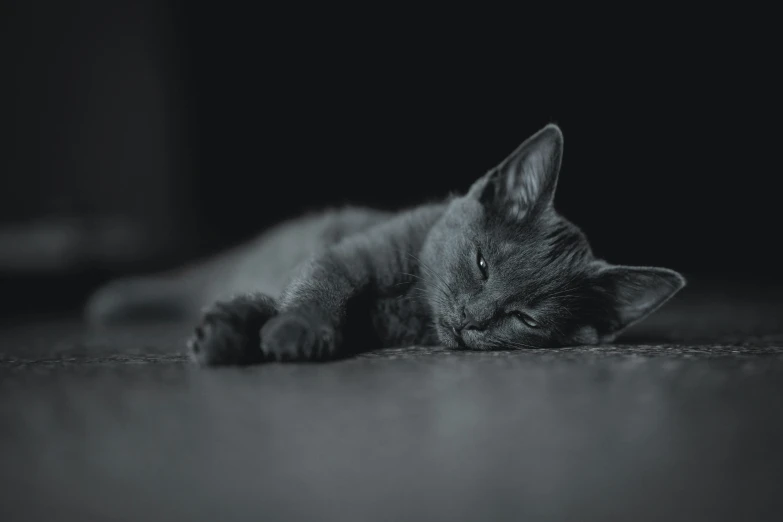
pixel 144 298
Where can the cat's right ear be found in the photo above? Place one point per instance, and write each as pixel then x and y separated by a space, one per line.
pixel 525 181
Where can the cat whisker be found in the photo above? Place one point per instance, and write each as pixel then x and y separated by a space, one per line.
pixel 437 282
pixel 420 293
pixel 442 297
pixel 442 293
pixel 425 281
pixel 515 344
pixel 431 271
pixel 563 291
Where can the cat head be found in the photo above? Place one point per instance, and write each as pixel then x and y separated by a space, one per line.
pixel 503 269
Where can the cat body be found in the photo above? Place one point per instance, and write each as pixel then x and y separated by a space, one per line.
pixel 497 267
pixel 265 264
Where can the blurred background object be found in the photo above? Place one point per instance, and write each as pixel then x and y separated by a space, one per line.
pixel 138 134
pixel 92 166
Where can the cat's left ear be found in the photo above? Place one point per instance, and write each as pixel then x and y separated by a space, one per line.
pixel 525 181
pixel 632 293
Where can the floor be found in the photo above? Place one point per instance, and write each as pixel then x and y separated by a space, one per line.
pixel 681 420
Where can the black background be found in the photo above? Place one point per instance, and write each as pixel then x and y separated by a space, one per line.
pixel 207 122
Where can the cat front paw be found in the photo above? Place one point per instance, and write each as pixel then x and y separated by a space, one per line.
pixel 228 333
pixel 299 335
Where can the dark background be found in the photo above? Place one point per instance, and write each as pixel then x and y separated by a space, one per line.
pixel 139 134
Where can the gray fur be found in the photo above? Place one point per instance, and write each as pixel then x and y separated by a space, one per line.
pixel 495 268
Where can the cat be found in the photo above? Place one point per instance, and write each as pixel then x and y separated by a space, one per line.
pixel 495 268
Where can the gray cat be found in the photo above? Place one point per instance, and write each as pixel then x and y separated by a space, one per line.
pixel 495 268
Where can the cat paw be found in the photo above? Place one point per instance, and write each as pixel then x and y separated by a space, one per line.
pixel 228 333
pixel 299 335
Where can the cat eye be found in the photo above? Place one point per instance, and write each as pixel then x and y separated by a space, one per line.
pixel 529 321
pixel 482 264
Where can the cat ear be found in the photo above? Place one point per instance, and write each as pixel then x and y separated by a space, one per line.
pixel 634 292
pixel 526 180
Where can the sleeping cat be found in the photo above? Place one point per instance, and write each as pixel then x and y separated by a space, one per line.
pixel 495 268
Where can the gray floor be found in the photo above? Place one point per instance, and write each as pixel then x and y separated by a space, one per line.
pixel 683 421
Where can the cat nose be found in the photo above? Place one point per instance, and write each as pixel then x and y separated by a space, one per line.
pixel 469 322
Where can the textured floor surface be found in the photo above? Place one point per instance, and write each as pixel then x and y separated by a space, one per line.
pixel 682 420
